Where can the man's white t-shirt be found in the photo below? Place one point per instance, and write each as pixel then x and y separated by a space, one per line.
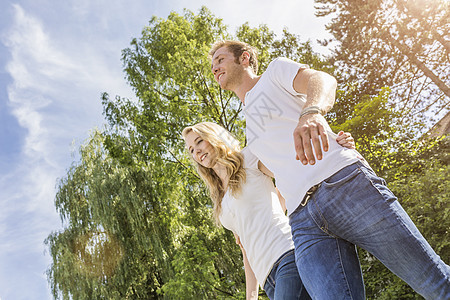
pixel 256 216
pixel 272 108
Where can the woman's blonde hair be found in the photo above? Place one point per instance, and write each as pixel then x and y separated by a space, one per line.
pixel 228 155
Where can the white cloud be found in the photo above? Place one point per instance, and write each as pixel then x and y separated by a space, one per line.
pixel 55 95
pixel 27 44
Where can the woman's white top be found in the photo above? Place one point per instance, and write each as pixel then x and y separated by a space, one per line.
pixel 256 216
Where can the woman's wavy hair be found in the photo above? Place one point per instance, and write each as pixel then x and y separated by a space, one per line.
pixel 228 155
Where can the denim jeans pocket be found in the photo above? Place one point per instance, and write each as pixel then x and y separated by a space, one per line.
pixel 373 177
pixel 342 176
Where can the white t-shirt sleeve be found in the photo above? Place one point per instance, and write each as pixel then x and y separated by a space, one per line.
pixel 283 71
pixel 251 161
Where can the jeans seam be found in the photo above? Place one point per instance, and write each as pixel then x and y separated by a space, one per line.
pixel 324 228
pixel 343 270
pixel 341 181
pixel 276 264
pixel 373 183
pixel 400 220
pixel 270 281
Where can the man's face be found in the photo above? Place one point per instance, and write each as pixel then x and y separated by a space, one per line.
pixel 226 71
pixel 202 151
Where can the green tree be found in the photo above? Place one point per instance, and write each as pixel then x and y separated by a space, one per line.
pixel 116 232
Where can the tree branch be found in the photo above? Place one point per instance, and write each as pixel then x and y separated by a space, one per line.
pixel 419 64
pixel 177 160
pixel 206 87
pixel 222 291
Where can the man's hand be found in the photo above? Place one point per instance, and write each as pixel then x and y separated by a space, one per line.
pixel 310 129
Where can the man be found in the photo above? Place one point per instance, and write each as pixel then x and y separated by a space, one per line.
pixel 334 200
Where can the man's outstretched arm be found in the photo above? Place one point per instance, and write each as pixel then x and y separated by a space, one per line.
pixel 320 90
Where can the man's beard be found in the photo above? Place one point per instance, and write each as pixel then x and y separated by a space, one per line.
pixel 234 78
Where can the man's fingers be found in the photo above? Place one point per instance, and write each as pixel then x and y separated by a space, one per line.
pixel 319 134
pixel 299 148
pixel 310 133
pixel 316 144
pixel 351 144
pixel 307 147
pixel 346 145
pixel 324 138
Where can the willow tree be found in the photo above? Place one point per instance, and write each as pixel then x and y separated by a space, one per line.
pixel 117 234
pixel 402 44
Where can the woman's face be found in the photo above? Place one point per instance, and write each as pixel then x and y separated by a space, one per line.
pixel 201 150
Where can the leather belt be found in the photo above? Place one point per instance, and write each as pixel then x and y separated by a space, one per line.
pixel 309 193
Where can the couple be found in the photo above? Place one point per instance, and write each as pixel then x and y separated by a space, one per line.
pixel 334 203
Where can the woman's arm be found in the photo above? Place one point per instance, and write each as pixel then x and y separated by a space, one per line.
pixel 282 200
pixel 264 169
pixel 251 283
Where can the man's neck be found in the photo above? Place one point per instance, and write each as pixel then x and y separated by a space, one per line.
pixel 247 84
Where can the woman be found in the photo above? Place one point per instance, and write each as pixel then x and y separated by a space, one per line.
pixel 247 203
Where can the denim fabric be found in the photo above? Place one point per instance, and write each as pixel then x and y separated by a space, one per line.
pixel 354 207
pixel 283 282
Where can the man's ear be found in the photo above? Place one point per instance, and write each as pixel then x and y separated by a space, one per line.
pixel 245 58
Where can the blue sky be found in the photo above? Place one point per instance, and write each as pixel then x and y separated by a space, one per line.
pixel 56 58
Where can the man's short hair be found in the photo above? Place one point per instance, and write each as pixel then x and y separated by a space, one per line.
pixel 237 48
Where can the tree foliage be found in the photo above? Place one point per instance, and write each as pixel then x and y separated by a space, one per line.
pixel 116 229
pixel 137 218
pixel 403 44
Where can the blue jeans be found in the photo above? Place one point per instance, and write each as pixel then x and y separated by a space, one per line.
pixel 354 207
pixel 283 282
